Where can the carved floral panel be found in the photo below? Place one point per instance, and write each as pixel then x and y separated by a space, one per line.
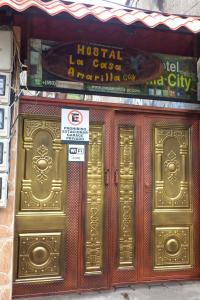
pixel 39 255
pixel 94 202
pixel 126 197
pixel 42 184
pixel 173 247
pixel 172 161
pixel 173 234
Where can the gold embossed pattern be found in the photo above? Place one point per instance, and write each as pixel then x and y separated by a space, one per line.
pixel 39 255
pixel 172 246
pixel 171 168
pixel 126 197
pixel 42 184
pixel 42 163
pixel 94 202
pixel 172 206
pixel 40 226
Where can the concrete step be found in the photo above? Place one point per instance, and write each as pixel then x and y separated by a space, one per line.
pixel 189 290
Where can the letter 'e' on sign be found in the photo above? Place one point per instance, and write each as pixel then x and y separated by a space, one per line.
pixel 74 125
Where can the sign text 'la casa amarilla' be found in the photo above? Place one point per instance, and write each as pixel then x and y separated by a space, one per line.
pixel 102 64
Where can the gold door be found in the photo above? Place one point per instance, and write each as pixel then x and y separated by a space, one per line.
pixel 124 209
pixel 153 215
pixel 172 218
pixel 40 217
pixel 170 239
pixel 128 214
pixel 94 206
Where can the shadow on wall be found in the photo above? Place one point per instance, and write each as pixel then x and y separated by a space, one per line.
pixel 160 4
pixel 157 5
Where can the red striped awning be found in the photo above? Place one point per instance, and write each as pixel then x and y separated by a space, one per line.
pixel 127 17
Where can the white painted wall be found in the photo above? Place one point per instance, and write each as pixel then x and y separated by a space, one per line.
pixel 186 7
pixel 189 7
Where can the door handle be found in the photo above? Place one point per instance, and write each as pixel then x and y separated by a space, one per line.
pixel 116 177
pixel 106 176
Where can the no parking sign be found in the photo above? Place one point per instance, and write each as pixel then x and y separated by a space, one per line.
pixel 74 125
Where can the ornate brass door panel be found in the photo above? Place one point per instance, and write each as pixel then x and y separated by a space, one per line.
pixel 173 202
pixel 94 202
pixel 40 216
pixel 95 239
pixel 62 235
pixel 124 244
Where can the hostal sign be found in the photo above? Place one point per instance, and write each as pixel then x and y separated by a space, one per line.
pixel 100 64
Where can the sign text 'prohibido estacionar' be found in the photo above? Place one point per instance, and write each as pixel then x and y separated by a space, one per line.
pixel 74 125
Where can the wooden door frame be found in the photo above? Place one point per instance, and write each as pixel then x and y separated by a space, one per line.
pixel 36 106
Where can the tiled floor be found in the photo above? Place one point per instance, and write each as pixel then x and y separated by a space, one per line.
pixel 166 291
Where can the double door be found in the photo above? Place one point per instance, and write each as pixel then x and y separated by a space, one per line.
pixel 128 214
